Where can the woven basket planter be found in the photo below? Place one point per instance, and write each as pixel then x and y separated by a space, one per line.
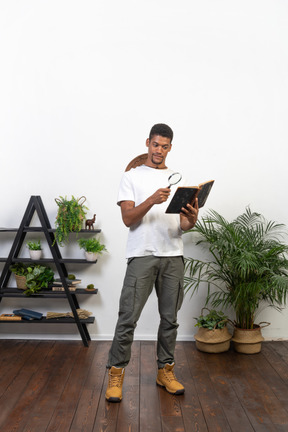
pixel 21 282
pixel 248 341
pixel 213 341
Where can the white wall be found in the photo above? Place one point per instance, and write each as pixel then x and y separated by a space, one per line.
pixel 83 82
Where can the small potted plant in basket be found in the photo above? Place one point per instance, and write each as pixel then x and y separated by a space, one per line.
pixel 20 271
pixel 35 249
pixel 213 335
pixel 32 278
pixel 92 248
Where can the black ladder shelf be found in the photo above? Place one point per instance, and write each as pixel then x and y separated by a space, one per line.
pixel 35 205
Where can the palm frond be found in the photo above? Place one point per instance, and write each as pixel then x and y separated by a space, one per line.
pixel 247 265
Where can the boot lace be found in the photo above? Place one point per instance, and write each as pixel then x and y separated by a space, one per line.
pixel 170 375
pixel 115 380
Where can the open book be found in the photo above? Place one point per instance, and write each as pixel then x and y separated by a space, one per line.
pixel 187 195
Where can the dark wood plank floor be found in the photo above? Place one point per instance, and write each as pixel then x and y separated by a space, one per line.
pixel 59 386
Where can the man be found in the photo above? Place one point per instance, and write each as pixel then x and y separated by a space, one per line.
pixel 155 257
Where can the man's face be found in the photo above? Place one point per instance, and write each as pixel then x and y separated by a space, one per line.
pixel 158 149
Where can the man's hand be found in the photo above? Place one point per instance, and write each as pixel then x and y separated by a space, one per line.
pixel 189 216
pixel 160 196
pixel 132 214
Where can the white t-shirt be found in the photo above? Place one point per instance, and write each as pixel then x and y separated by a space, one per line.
pixel 158 233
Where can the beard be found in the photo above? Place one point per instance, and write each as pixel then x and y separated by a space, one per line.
pixel 157 161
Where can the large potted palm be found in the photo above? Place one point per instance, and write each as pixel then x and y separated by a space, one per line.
pixel 247 270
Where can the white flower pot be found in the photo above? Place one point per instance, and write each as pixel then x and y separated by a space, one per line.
pixel 91 256
pixel 35 254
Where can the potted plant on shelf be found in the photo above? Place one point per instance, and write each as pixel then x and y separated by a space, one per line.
pixel 70 217
pixel 38 277
pixel 20 270
pixel 34 277
pixel 92 248
pixel 247 270
pixel 213 335
pixel 35 249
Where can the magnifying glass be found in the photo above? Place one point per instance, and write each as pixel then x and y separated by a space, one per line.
pixel 174 179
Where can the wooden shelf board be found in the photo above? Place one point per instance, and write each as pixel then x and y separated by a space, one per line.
pixel 15 292
pixel 52 230
pixel 51 260
pixel 64 320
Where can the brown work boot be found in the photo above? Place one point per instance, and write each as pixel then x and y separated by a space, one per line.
pixel 167 379
pixel 115 383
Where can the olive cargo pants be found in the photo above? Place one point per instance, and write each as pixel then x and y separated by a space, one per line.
pixel 142 273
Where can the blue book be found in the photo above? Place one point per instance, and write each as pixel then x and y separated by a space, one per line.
pixel 28 314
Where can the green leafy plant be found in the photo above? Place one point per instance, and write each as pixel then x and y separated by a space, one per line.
pixel 20 269
pixel 90 287
pixel 37 276
pixel 91 245
pixel 34 245
pixel 70 216
pixel 71 276
pixel 248 265
pixel 213 320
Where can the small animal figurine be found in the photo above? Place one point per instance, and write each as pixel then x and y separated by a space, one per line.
pixel 89 222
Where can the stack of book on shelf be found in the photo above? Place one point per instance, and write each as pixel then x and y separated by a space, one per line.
pixel 72 284
pixel 19 314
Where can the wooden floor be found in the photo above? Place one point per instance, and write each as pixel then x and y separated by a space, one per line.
pixel 60 386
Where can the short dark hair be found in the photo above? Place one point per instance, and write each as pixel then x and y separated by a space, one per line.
pixel 162 130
